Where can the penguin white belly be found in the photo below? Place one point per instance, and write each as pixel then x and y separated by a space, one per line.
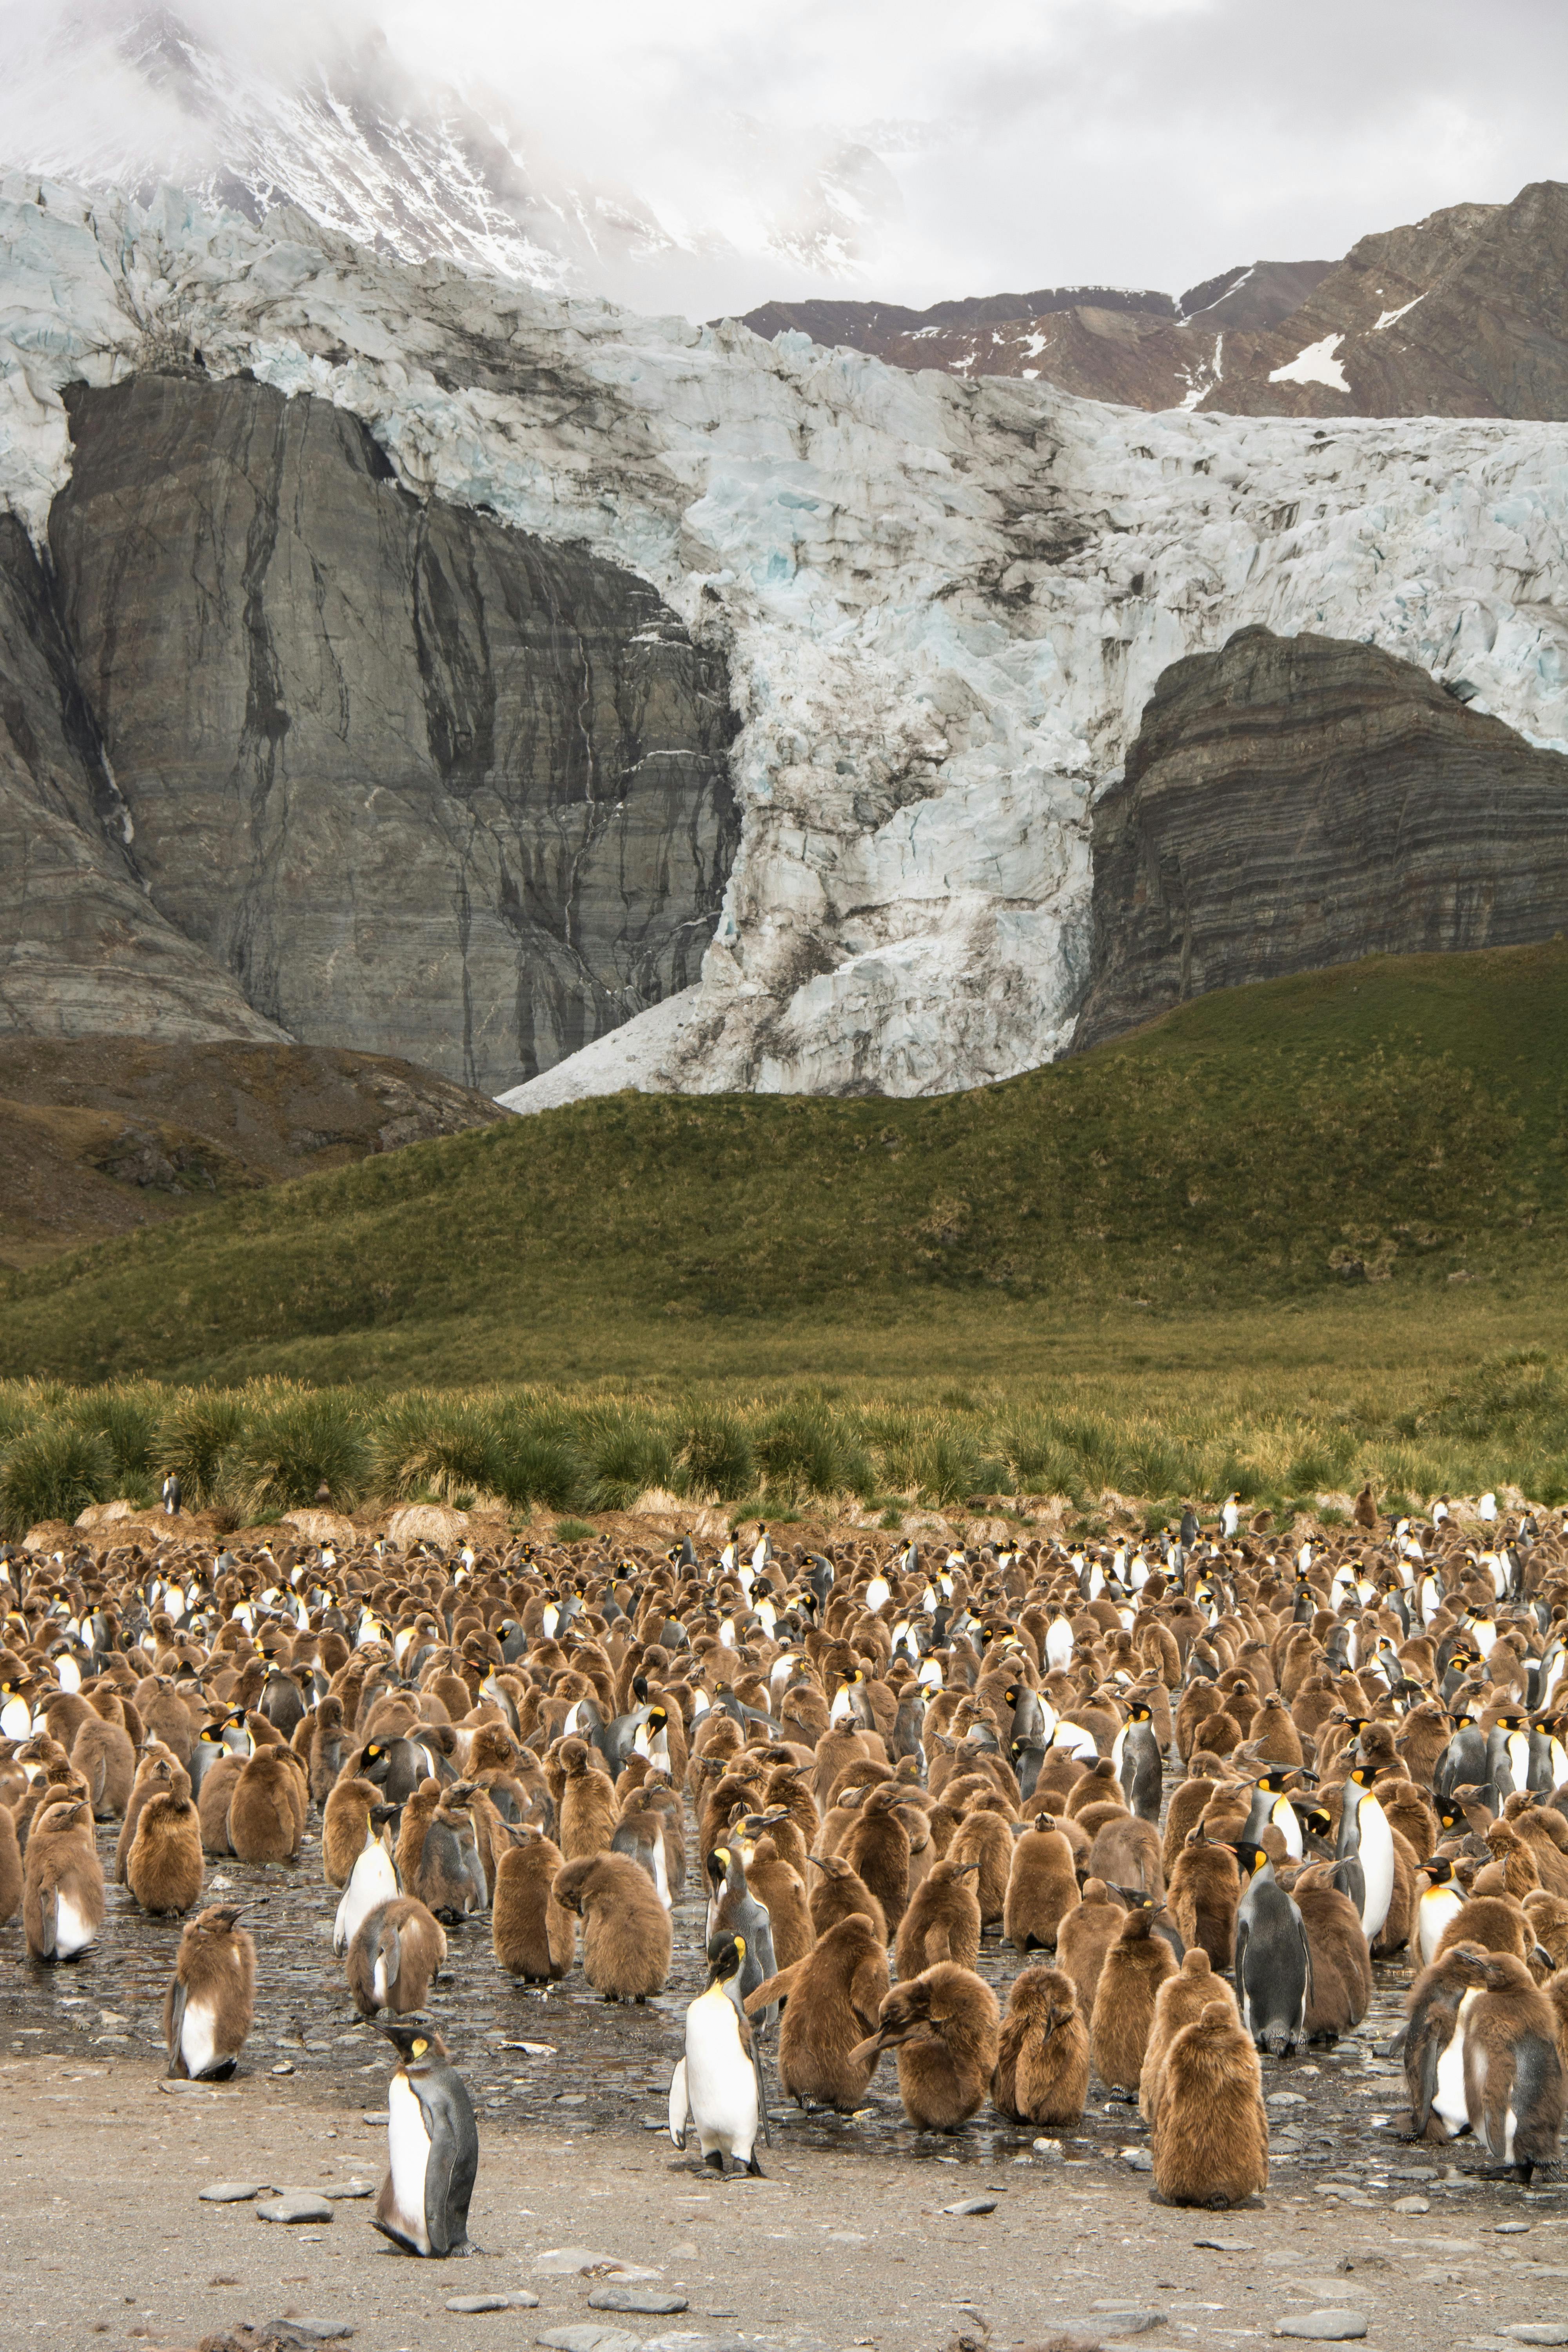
pixel 1449 2103
pixel 878 1593
pixel 15 1719
pixel 721 2081
pixel 198 2038
pixel 1058 1644
pixel 841 1708
pixel 1436 1909
pixel 573 1720
pixel 660 1874
pixel 408 2151
pixel 1377 1867
pixel 1284 1818
pixel 72 1934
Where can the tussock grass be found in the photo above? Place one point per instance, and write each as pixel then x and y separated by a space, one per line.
pixel 266 1447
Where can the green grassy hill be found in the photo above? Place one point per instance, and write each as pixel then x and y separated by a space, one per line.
pixel 1329 1154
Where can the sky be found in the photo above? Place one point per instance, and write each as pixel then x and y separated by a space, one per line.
pixel 919 149
pixel 1033 143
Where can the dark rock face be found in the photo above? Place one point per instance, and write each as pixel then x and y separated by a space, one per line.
pixel 1292 803
pixel 414 781
pixel 81 947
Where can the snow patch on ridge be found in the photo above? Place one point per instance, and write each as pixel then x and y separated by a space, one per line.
pixel 943 604
pixel 1316 364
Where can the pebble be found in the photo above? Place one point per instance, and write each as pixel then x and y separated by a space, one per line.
pixel 302 2206
pixel 1137 2160
pixel 583 2337
pixel 1413 2205
pixel 1538 2331
pixel 563 2261
pixel 685 2342
pixel 317 2331
pixel 1050 2151
pixel 1285 2099
pixel 1324 2326
pixel 1511 2229
pixel 1227 2245
pixel 520 2300
pixel 651 2300
pixel 283 2067
pixel 1112 2322
pixel 341 2189
pixel 573 2099
pixel 233 2193
pixel 374 2115
pixel 972 2205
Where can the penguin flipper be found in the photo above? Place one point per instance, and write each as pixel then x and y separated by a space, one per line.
pixel 396 2236
pixel 48 1923
pixel 177 2028
pixel 680 2105
pixel 450 2168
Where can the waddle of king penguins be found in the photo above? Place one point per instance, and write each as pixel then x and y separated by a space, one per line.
pixel 433 2148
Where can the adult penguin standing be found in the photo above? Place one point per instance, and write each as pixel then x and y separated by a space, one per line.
pixel 716 2086
pixel 433 2148
pixel 1366 1840
pixel 1273 1957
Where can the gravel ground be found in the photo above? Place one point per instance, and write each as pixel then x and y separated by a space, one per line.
pixel 845 2244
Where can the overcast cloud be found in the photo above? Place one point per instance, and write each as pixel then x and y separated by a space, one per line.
pixel 1138 141
pixel 914 149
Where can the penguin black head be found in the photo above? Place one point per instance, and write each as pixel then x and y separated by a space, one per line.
pixel 1440 1870
pixel 726 1957
pixel 1364 1776
pixel 1272 1781
pixel 1316 1820
pixel 414 2041
pixel 1142 1713
pixel 1251 1858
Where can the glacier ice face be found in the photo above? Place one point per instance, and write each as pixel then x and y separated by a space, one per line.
pixel 944 603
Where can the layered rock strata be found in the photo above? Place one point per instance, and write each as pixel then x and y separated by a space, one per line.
pixel 1291 802
pixel 409 779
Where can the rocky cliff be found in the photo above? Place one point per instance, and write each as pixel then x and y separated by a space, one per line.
pixel 386 771
pixel 404 519
pixel 1291 802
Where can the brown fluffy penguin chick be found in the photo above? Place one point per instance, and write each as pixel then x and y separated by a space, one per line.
pixel 833 1999
pixel 535 1939
pixel 1042 1887
pixel 943 2026
pixel 213 1799
pixel 1496 1922
pixel 267 1811
pixel 164 1868
pixel 985 1837
pixel 839 1894
pixel 1338 1988
pixel 779 1888
pixel 1516 2090
pixel 1209 2137
pixel 1085 1937
pixel 1126 1852
pixel 211 1998
pixel 10 1867
pixel 62 1882
pixel 345 1823
pixel 1202 1896
pixel 1042 2052
pixel 589 1807
pixel 1134 1969
pixel 878 1850
pixel 943 1922
pixel 397 1949
pixel 625 1929
pixel 103 1754
pixel 1181 2000
pixel 159 1774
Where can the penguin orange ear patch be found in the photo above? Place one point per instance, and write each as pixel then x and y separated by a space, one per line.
pixel 420 2048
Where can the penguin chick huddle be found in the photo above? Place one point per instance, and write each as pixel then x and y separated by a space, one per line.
pixel 1198 1783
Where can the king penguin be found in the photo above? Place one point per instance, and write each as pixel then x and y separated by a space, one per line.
pixel 433 2148
pixel 715 2085
pixel 1366 1840
pixel 1273 1957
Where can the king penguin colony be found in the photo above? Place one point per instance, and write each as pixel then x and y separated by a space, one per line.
pixel 1296 1762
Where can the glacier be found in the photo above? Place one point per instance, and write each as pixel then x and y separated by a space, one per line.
pixel 944 602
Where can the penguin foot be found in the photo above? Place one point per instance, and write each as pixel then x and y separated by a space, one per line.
pixel 754 2171
pixel 714 2160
